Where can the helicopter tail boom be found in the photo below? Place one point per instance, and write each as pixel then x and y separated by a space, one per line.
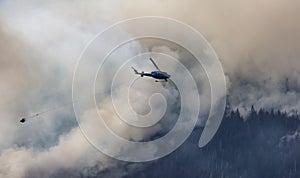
pixel 142 74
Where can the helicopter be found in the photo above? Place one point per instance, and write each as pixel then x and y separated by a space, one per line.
pixel 154 74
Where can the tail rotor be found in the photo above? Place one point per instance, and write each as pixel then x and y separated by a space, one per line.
pixel 135 71
pixel 139 73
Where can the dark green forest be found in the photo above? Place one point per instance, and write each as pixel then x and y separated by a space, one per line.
pixel 263 144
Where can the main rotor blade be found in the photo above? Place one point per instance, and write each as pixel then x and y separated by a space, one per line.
pixel 154 63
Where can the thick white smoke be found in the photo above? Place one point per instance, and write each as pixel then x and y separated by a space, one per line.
pixel 257 42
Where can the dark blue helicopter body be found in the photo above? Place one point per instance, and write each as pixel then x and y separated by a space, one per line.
pixel 154 74
pixel 160 75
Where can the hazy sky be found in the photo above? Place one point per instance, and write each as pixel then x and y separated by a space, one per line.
pixel 258 43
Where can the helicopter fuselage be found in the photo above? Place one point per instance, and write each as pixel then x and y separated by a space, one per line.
pixel 158 74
